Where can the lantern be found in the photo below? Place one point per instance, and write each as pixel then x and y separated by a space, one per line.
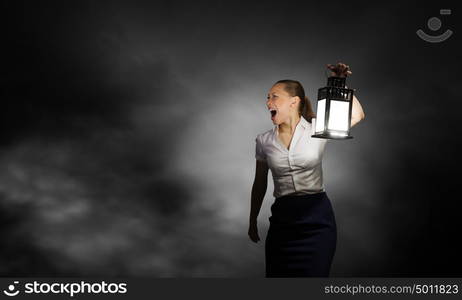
pixel 333 110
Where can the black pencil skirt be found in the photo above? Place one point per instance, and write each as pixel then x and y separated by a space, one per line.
pixel 302 236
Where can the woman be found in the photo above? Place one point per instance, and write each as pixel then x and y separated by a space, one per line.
pixel 302 236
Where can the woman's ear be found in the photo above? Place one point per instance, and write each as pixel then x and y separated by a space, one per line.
pixel 295 101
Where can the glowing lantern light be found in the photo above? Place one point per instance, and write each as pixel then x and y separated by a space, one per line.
pixel 333 110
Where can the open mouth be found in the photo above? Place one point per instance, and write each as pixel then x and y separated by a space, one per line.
pixel 273 113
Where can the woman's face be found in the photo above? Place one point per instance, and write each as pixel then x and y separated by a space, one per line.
pixel 280 104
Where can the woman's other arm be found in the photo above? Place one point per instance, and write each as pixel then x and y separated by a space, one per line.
pixel 259 187
pixel 357 113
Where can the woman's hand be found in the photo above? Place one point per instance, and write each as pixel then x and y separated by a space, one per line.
pixel 253 231
pixel 339 70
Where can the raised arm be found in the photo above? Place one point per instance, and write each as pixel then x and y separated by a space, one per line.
pixel 357 113
pixel 343 70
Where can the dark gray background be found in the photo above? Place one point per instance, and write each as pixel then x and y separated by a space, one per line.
pixel 127 135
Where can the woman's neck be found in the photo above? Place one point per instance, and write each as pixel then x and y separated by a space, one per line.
pixel 289 125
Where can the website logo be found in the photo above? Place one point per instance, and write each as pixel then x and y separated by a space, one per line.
pixel 11 292
pixel 68 288
pixel 434 24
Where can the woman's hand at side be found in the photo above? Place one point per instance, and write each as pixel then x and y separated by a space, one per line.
pixel 253 231
pixel 258 194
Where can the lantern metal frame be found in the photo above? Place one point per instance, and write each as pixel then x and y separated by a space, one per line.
pixel 335 90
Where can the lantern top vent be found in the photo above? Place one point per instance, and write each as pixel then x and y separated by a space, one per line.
pixel 336 81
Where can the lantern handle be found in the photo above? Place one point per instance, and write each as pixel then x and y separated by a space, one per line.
pixel 327 74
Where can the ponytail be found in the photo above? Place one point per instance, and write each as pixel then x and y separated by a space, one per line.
pixel 306 110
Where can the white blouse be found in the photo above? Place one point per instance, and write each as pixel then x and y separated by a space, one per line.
pixel 297 170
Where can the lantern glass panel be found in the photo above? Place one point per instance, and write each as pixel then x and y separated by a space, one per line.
pixel 338 115
pixel 320 114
